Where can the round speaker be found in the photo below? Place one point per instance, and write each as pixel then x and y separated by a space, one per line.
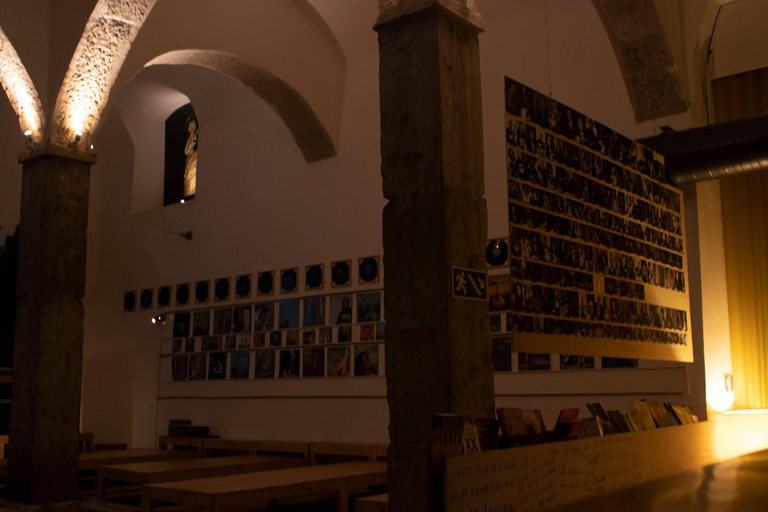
pixel 340 273
pixel 243 286
pixel 129 301
pixel 497 252
pixel 314 276
pixel 289 280
pixel 164 296
pixel 222 289
pixel 146 299
pixel 369 269
pixel 182 294
pixel 201 291
pixel 266 283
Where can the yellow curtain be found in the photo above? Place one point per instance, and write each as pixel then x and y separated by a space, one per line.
pixel 745 232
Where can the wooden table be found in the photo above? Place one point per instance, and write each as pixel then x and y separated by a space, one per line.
pixel 169 471
pixel 94 460
pixel 370 451
pixel 268 486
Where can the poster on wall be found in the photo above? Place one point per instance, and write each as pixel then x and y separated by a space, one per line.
pixel 597 242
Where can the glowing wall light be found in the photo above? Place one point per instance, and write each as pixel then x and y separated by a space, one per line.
pixel 21 93
pixel 94 67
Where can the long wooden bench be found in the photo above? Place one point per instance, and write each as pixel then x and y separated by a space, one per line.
pixel 170 471
pixel 181 443
pixel 227 447
pixel 378 503
pixel 330 452
pixel 298 449
pixel 268 486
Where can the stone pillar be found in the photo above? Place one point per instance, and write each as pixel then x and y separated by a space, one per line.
pixel 438 349
pixel 48 349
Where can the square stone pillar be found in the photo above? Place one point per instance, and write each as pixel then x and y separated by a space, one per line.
pixel 438 348
pixel 48 348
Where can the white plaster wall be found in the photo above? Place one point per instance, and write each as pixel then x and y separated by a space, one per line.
pixel 261 207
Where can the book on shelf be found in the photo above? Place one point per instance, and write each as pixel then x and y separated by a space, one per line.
pixel 604 424
pixel 512 421
pixel 589 428
pixel 618 421
pixel 632 419
pixel 646 418
pixel 564 423
pixel 659 413
pixel 533 422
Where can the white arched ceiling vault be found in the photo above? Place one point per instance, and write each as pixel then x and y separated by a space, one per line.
pixel 269 44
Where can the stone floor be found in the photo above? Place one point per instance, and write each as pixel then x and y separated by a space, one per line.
pixel 736 485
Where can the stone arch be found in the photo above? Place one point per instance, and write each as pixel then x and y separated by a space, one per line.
pixel 313 64
pixel 647 60
pixel 313 140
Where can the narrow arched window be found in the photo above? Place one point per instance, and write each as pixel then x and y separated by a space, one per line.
pixel 181 131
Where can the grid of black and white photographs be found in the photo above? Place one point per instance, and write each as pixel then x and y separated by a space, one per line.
pixel 336 335
pixel 597 249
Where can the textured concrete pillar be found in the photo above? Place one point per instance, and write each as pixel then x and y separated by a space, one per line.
pixel 48 351
pixel 438 349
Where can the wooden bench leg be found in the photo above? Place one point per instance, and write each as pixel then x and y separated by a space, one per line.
pixel 101 484
pixel 342 498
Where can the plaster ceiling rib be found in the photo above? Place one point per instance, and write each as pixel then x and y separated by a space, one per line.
pixel 21 93
pixel 106 40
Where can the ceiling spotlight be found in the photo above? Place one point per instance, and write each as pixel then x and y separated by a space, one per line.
pixel 28 133
pixel 159 319
pixel 182 201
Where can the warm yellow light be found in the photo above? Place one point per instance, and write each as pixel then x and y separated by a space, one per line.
pixel 105 42
pixel 720 400
pixel 21 92
pixel 748 411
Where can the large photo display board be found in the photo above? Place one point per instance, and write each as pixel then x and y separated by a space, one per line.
pixel 597 241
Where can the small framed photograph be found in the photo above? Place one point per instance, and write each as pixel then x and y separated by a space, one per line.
pixel 338 361
pixel 276 339
pixel 289 364
pixel 291 337
pixel 181 324
pixel 197 366
pixel 230 342
pixel 176 346
pixel 238 365
pixel 326 335
pixel 308 337
pixel 368 307
pixel 381 331
pixel 264 364
pixel 189 345
pixel 179 368
pixel 265 317
pixel 501 353
pixel 345 334
pixel 222 321
pixel 314 362
pixel 217 366
pixel 314 311
pixel 366 360
pixel 367 332
pixel 341 309
pixel 211 343
pixel 289 314
pixel 241 319
pixel 259 340
pixel 201 323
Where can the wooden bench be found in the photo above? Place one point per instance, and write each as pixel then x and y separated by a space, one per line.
pixel 181 443
pixel 328 452
pixel 270 487
pixel 296 449
pixel 378 503
pixel 170 471
pixel 227 447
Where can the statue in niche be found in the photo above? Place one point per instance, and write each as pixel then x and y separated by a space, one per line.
pixel 190 149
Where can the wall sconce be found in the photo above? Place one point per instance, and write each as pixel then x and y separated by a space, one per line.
pixel 185 235
pixel 159 319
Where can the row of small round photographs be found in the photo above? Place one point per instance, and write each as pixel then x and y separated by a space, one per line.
pixel 313 311
pixel 345 361
pixel 314 279
pixel 284 338
pixel 504 360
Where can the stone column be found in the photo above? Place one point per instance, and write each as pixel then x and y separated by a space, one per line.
pixel 48 349
pixel 438 349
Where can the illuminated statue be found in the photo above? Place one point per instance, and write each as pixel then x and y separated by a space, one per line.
pixel 190 149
